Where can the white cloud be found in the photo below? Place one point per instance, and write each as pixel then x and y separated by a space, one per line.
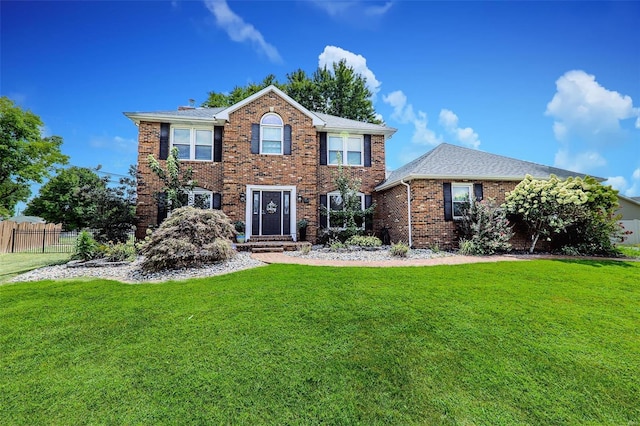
pixel 584 162
pixel 349 9
pixel 583 108
pixel 334 54
pixel 240 31
pixel 616 182
pixel 625 187
pixel 466 136
pixel 403 113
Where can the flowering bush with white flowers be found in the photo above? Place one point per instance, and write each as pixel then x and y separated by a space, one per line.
pixel 574 212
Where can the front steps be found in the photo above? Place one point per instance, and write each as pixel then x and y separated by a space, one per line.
pixel 271 244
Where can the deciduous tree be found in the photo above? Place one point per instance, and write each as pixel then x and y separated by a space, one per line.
pixel 25 156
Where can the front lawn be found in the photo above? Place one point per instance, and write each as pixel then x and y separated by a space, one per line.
pixel 12 264
pixel 533 342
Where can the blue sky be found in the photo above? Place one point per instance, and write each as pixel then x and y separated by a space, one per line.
pixel 556 83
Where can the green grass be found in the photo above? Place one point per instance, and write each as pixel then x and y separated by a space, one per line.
pixel 12 264
pixel 632 252
pixel 536 342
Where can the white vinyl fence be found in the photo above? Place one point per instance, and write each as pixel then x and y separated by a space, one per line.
pixel 634 227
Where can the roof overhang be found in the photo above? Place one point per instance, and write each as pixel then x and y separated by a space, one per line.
pixel 137 118
pixel 411 177
pixel 628 199
pixel 387 133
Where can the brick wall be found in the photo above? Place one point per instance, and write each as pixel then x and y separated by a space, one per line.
pixel 429 227
pixel 239 167
pixel 207 174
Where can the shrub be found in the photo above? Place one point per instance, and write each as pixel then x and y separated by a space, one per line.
pixel 121 252
pixel 484 229
pixel 329 235
pixel 399 249
pixel 337 246
pixel 86 248
pixel 189 238
pixel 364 241
pixel 305 249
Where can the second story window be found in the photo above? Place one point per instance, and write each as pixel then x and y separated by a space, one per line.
pixel 193 143
pixel 348 149
pixel 271 134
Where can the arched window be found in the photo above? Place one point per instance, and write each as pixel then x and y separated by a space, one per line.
pixel 271 134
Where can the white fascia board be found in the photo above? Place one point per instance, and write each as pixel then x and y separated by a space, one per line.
pixel 153 118
pixel 387 133
pixel 409 178
pixel 224 114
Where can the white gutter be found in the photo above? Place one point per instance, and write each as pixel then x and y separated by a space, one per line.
pixel 408 209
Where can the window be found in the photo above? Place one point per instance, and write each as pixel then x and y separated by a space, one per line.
pixel 193 143
pixel 336 203
pixel 347 148
pixel 460 198
pixel 200 198
pixel 271 134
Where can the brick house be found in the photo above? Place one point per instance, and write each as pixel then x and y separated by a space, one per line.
pixel 266 161
pixel 269 162
pixel 420 201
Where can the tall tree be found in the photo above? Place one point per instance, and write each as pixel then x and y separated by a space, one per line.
pixel 25 156
pixel 62 199
pixel 337 91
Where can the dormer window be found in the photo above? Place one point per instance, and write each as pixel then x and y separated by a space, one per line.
pixel 271 134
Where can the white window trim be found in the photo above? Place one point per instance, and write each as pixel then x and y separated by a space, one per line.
pixel 334 193
pixel 454 185
pixel 191 196
pixel 345 149
pixel 272 126
pixel 192 140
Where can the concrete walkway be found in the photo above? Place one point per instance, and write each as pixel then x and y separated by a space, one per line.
pixel 445 260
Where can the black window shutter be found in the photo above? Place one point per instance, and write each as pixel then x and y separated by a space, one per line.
pixel 217 201
pixel 323 148
pixel 367 150
pixel 255 139
pixel 368 220
pixel 162 207
pixel 164 140
pixel 477 191
pixel 287 139
pixel 323 216
pixel 217 143
pixel 448 207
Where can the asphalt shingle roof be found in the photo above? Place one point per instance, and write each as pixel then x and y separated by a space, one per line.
pixel 344 123
pixel 456 162
pixel 199 113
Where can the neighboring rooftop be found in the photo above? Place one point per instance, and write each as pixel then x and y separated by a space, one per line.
pixel 448 161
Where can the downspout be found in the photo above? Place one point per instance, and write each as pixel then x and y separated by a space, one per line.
pixel 408 209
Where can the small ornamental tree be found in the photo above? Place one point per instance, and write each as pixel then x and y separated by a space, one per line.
pixel 352 216
pixel 553 207
pixel 189 238
pixel 176 180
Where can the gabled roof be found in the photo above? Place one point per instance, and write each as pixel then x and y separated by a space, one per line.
pixel 448 161
pixel 224 114
pixel 322 122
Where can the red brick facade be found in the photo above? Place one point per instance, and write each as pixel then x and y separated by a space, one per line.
pixel 428 225
pixel 240 168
